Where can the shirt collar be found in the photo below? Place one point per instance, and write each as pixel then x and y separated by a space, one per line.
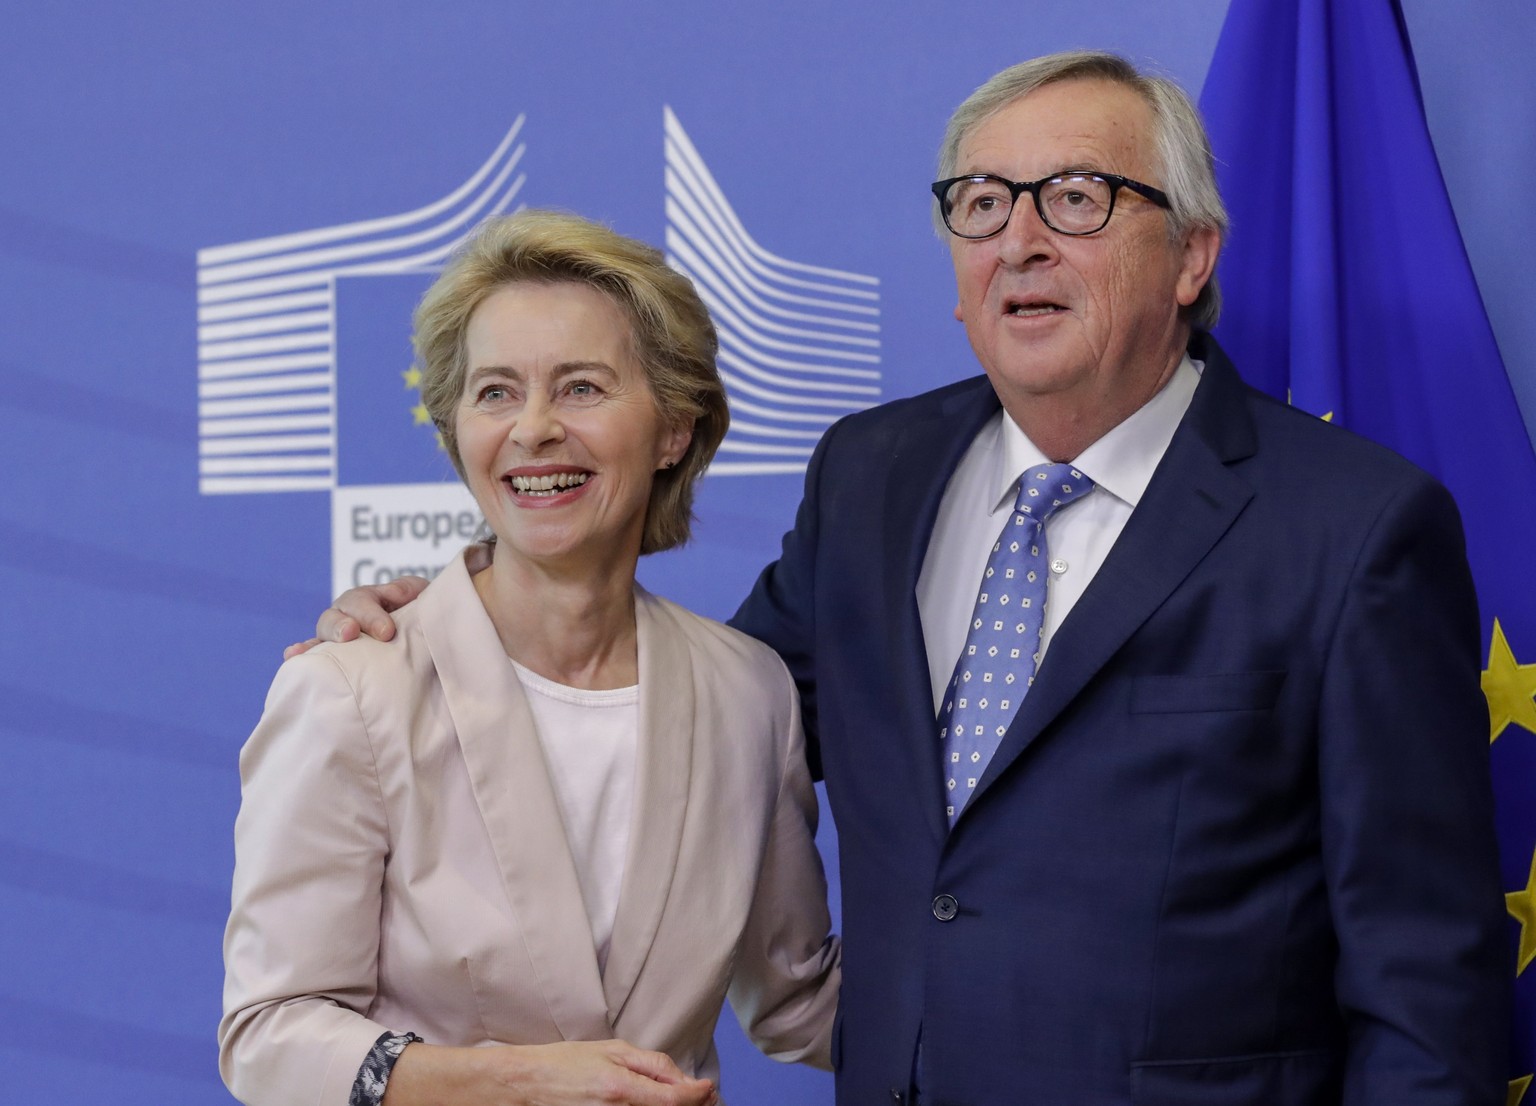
pixel 1122 461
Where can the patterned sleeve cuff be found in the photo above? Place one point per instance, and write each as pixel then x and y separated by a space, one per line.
pixel 373 1076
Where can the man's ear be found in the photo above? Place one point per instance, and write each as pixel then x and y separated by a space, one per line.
pixel 1201 246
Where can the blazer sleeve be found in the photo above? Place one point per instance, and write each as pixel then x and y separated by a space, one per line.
pixel 301 947
pixel 781 609
pixel 788 967
pixel 1408 840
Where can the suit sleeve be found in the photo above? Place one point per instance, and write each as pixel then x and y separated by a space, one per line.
pixel 781 610
pixel 788 968
pixel 301 947
pixel 1408 836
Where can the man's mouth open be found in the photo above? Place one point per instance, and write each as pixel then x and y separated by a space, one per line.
pixel 1032 308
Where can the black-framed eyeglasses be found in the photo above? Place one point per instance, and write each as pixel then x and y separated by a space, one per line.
pixel 979 205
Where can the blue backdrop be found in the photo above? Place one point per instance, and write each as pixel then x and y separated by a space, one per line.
pixel 213 220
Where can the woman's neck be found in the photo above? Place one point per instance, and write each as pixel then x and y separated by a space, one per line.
pixel 576 628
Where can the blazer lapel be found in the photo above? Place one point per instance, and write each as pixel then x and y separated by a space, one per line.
pixel 916 476
pixel 511 784
pixel 664 764
pixel 1191 501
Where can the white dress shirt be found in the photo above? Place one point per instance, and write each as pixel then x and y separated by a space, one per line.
pixel 979 499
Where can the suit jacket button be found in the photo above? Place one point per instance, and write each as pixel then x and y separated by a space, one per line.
pixel 945 908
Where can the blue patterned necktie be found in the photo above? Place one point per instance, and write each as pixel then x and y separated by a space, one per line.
pixel 1002 646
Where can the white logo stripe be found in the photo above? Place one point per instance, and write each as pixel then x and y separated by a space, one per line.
pixel 245 485
pixel 248 289
pixel 217 408
pixel 241 309
pixel 251 366
pixel 223 351
pixel 264 324
pixel 266 424
pixel 755 468
pixel 258 385
pixel 733 445
pixel 224 466
pixel 759 429
pixel 274 443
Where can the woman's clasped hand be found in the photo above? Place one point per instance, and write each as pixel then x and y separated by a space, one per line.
pixel 569 1073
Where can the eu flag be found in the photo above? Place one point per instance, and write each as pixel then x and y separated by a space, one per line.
pixel 383 432
pixel 1349 291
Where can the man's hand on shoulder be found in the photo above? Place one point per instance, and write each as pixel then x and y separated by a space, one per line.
pixel 362 610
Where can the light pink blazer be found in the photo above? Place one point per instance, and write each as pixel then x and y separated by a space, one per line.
pixel 401 862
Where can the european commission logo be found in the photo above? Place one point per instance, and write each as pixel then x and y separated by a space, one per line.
pixel 268 334
pixel 305 381
pixel 799 344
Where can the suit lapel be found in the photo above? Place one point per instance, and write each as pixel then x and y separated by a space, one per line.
pixel 512 788
pixel 1191 501
pixel 920 468
pixel 664 762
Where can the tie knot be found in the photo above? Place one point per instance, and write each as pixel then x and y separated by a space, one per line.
pixel 1047 488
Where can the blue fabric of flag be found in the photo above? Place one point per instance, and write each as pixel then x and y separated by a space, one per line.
pixel 1347 289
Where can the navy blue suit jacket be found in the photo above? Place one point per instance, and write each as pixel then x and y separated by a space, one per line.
pixel 1237 847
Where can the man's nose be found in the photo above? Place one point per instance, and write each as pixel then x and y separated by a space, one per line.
pixel 1026 238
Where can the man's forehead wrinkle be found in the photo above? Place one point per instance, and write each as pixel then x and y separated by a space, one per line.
pixel 1044 155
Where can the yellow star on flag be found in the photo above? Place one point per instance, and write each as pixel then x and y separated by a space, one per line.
pixel 1522 908
pixel 1326 418
pixel 412 377
pixel 1509 686
pixel 1517 1089
pixel 420 414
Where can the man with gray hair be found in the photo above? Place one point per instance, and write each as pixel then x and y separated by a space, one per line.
pixel 1215 824
pixel 1148 707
